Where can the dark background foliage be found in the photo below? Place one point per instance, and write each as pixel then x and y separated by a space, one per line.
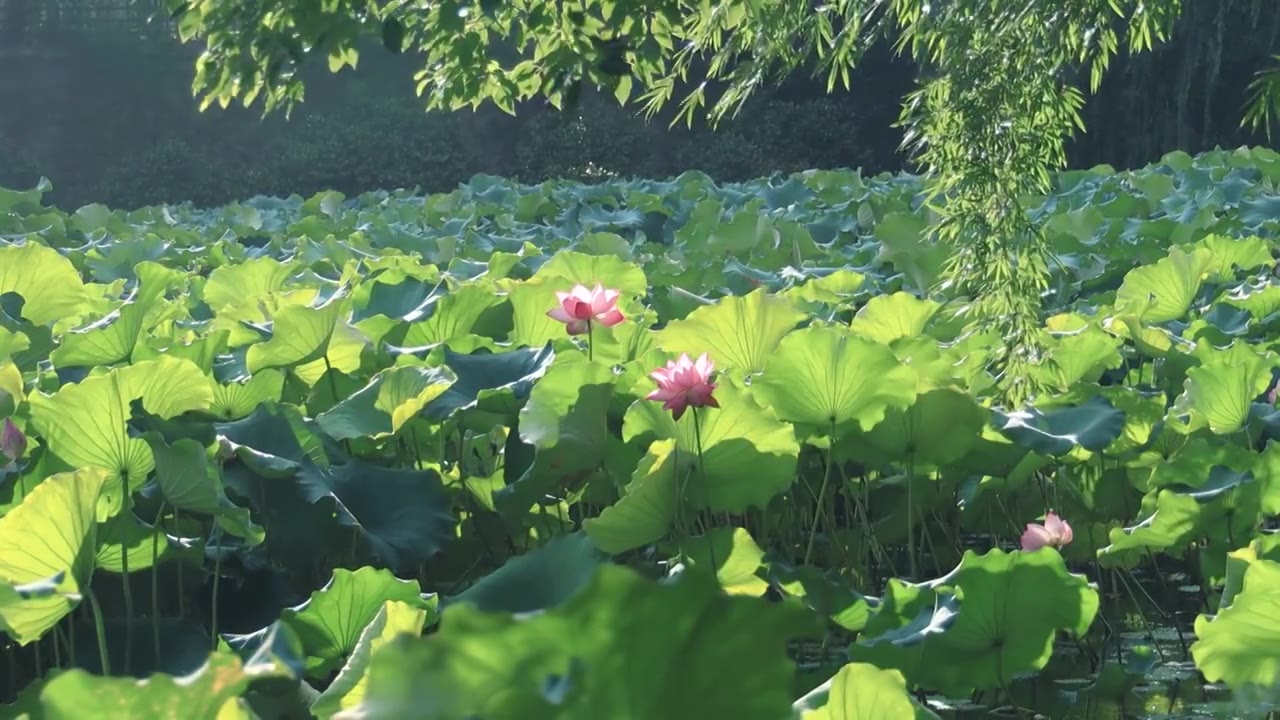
pixel 98 99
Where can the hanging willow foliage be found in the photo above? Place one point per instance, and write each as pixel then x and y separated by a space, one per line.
pixel 988 124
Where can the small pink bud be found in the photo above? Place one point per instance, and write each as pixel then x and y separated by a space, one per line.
pixel 13 444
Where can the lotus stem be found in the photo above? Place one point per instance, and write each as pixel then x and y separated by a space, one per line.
pixel 702 470
pixel 822 493
pixel 124 580
pixel 911 537
pixel 57 647
pixel 101 631
pixel 591 336
pixel 182 599
pixel 155 583
pixel 217 577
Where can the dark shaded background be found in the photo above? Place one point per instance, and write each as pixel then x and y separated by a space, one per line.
pixel 98 99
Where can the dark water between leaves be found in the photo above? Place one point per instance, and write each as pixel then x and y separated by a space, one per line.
pixel 1133 666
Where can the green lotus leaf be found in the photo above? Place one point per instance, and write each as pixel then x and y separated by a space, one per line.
pixel 482 374
pixel 1012 607
pixel 1229 253
pixel 1221 393
pixel 47 281
pixel 886 318
pixel 1080 357
pixel 939 428
pixel 85 424
pixel 30 344
pixel 1192 465
pixel 646 510
pixel 1143 416
pixel 206 694
pixel 1241 644
pixel 125 538
pixel 236 400
pixel 1223 506
pixel 190 482
pixel 394 619
pixel 566 421
pixel 823 376
pixel 405 516
pixel 827 596
pixel 907 616
pixel 299 335
pixel 1092 425
pixel 739 333
pixel 748 456
pixel 865 692
pixel 395 296
pixel 608 270
pixel 12 342
pixel 1261 301
pixel 330 623
pixel 683 638
pixel 1266 469
pixel 1165 290
pixel 245 282
pixel 113 338
pixel 838 287
pixel 735 556
pixel 904 242
pixel 540 579
pixel 52 533
pixel 471 310
pixel 401 517
pixel 391 399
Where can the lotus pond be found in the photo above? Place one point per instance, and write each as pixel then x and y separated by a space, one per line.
pixel 382 457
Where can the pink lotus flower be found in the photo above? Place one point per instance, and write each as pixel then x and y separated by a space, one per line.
pixel 582 306
pixel 13 444
pixel 1055 532
pixel 684 383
